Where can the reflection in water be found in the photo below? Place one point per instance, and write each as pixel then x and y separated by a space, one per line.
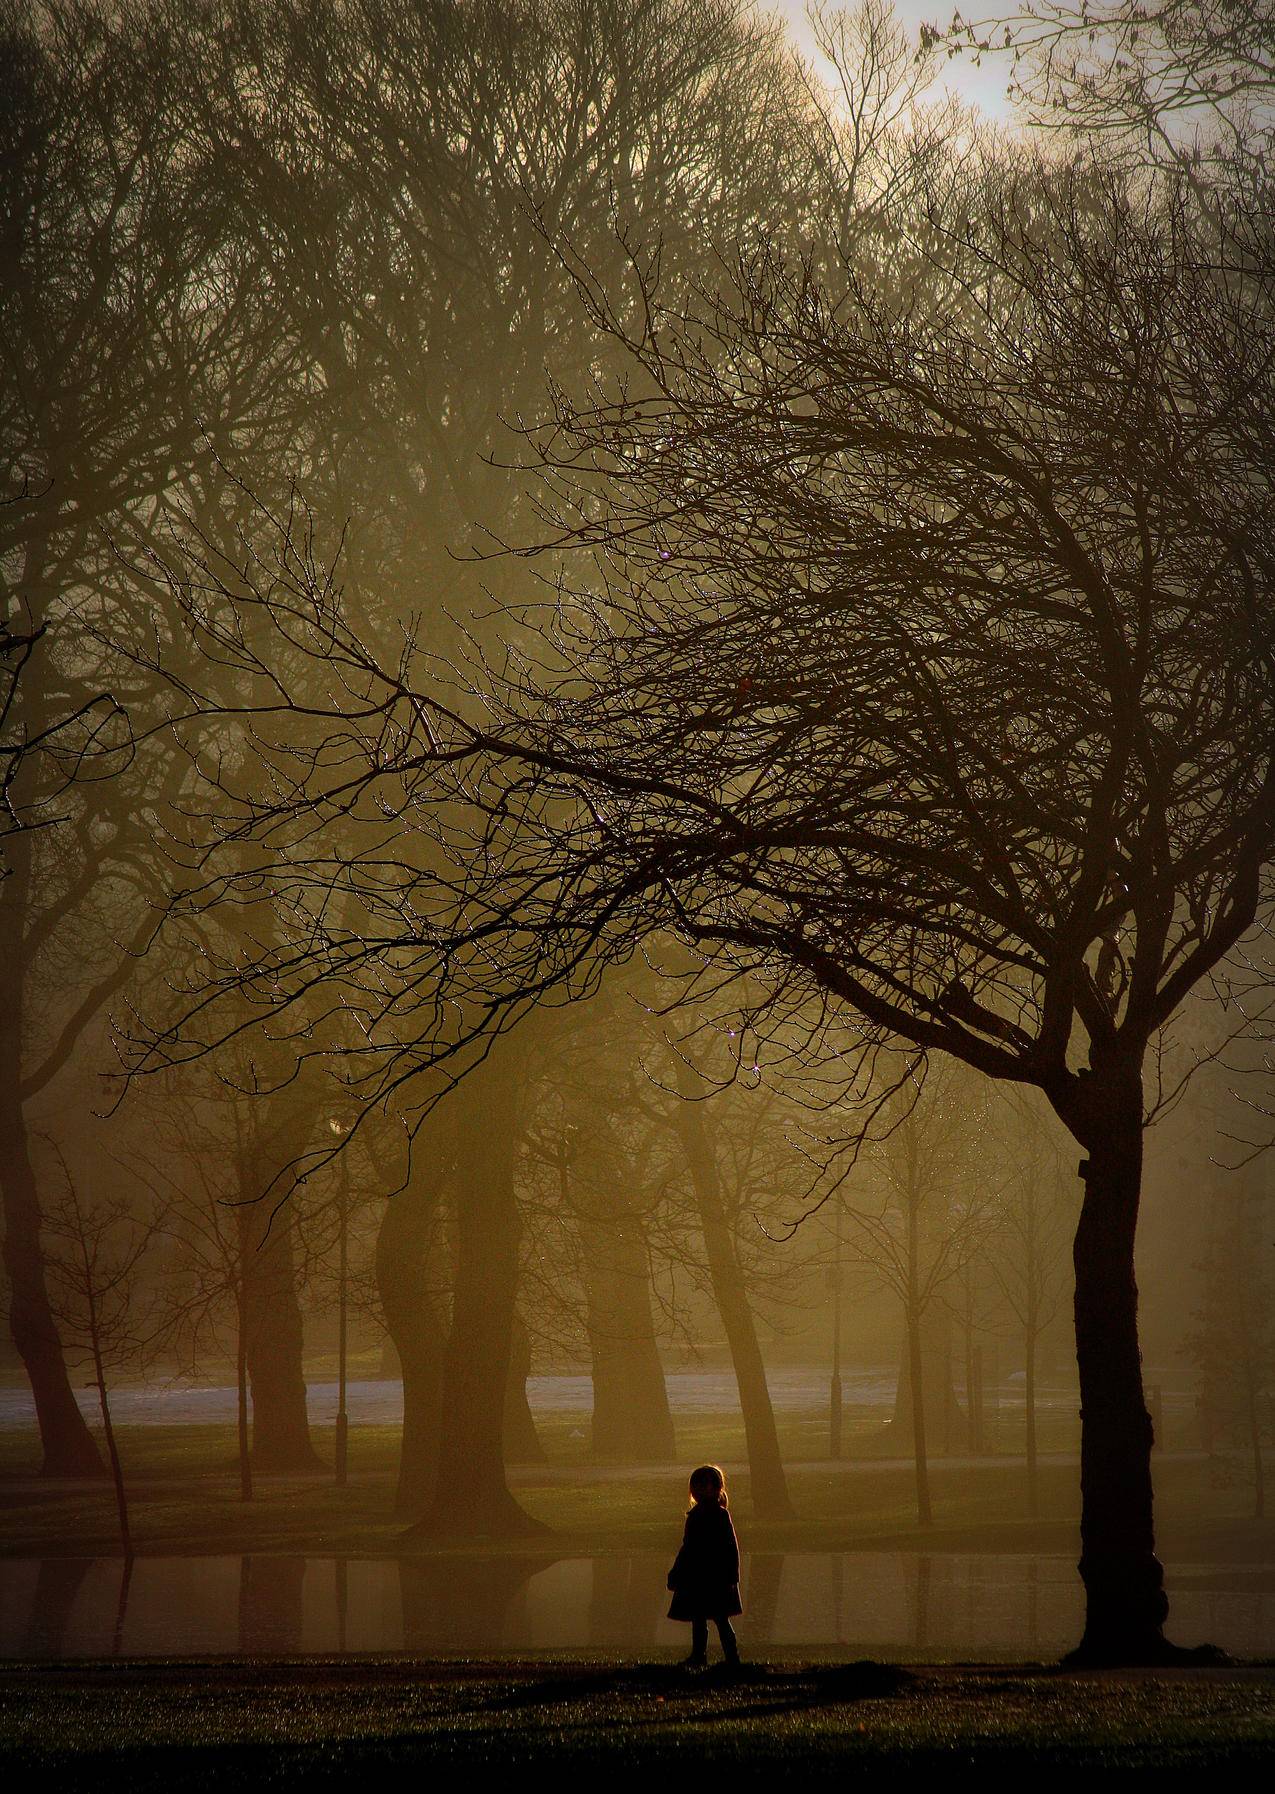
pixel 760 1589
pixel 626 1603
pixel 342 1571
pixel 463 1603
pixel 1032 1579
pixel 921 1625
pixel 270 1591
pixel 57 1585
pixel 121 1607
pixel 863 1603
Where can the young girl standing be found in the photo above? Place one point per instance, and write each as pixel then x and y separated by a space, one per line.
pixel 705 1574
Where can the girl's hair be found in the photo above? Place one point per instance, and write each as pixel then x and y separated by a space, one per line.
pixel 709 1484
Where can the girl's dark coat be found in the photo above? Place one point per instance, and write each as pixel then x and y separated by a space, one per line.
pixel 705 1574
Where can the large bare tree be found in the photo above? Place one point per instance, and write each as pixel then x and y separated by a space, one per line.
pixel 922 671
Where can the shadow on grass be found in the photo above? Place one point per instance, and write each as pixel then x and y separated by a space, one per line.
pixel 752 1689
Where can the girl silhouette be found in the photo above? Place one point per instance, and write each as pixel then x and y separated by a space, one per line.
pixel 705 1574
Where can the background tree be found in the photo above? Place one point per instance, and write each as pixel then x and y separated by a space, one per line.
pixel 935 1197
pixel 108 303
pixel 99 1301
pixel 720 1217
pixel 596 1165
pixel 205 1281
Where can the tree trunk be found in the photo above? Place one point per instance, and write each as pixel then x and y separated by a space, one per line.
pixel 522 1441
pixel 1124 1581
pixel 404 1247
pixel 68 1446
pixel 273 1340
pixel 942 1405
pixel 766 1469
pixel 471 1495
pixel 117 1468
pixel 631 1419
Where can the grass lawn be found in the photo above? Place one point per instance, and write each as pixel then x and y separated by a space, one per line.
pixel 185 1499
pixel 217 1725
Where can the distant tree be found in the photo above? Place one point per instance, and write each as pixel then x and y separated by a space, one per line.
pixel 595 1172
pixel 204 1282
pixel 412 240
pixel 722 1201
pixel 107 302
pixel 104 1309
pixel 935 1194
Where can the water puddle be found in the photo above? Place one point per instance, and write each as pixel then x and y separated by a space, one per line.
pixel 867 1603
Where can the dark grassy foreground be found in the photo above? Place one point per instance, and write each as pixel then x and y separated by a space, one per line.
pixel 197 1725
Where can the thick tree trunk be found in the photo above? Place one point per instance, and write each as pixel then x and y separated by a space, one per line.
pixel 471 1495
pixel 1124 1582
pixel 68 1446
pixel 631 1419
pixel 766 1469
pixel 403 1250
pixel 273 1341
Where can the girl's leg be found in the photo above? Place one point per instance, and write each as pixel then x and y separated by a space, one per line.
pixel 730 1644
pixel 699 1642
